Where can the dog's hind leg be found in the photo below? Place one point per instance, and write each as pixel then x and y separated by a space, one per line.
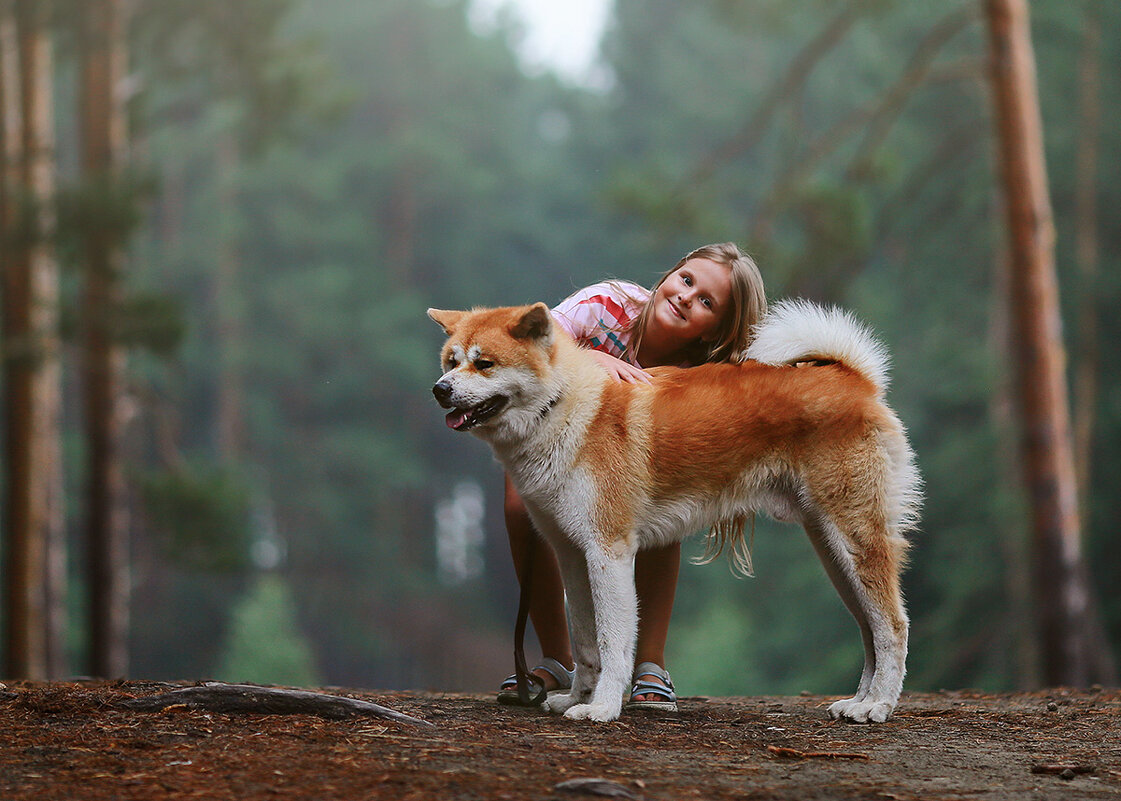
pixel 864 567
pixel 615 609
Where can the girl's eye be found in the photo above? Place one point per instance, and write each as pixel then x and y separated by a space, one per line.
pixel 707 302
pixel 483 364
pixel 687 279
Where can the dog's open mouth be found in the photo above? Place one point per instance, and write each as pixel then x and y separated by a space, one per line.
pixel 464 419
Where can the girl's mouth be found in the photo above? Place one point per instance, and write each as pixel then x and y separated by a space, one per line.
pixel 676 310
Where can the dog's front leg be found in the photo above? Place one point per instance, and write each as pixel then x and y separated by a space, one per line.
pixel 615 608
pixel 582 629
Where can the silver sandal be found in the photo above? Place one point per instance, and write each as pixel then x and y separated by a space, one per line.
pixel 508 690
pixel 664 690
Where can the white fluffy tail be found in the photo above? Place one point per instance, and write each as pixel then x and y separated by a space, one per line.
pixel 797 330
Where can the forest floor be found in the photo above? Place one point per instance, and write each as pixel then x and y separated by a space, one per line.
pixel 75 740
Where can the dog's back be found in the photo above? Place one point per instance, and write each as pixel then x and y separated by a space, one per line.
pixel 802 422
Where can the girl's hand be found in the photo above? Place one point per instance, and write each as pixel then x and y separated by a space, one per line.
pixel 621 370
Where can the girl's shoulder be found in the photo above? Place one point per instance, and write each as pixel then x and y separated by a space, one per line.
pixel 606 305
pixel 623 293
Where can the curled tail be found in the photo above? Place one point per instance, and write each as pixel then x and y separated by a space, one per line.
pixel 797 330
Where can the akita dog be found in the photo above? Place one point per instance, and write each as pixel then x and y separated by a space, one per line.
pixel 799 429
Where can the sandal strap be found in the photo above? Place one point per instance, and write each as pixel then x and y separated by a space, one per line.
pixel 558 671
pixel 655 670
pixel 512 681
pixel 647 688
pixel 551 666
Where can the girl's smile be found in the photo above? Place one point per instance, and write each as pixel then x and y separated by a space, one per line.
pixel 692 301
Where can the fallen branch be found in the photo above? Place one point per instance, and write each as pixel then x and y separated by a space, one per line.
pixel 216 697
pixel 794 753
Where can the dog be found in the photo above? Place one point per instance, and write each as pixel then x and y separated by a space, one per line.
pixel 798 429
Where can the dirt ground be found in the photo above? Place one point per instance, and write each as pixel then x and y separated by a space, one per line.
pixel 76 741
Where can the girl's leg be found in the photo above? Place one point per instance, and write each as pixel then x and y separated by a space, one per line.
pixel 655 577
pixel 546 603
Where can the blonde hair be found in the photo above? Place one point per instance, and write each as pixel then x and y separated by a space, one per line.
pixel 749 303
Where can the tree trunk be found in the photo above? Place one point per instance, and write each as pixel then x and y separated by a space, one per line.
pixel 1063 602
pixel 1087 252
pixel 32 503
pixel 103 145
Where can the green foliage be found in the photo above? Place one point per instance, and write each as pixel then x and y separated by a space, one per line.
pixel 151 321
pixel 201 514
pixel 110 204
pixel 264 644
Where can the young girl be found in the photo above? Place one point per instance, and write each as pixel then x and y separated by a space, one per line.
pixel 702 310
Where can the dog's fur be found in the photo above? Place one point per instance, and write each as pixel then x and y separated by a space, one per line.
pixel 607 467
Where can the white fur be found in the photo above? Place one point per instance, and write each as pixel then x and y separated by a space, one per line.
pixel 795 330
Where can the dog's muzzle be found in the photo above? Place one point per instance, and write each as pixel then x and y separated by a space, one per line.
pixel 462 418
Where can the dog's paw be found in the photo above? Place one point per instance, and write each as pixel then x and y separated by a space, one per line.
pixel 600 713
pixel 868 711
pixel 559 703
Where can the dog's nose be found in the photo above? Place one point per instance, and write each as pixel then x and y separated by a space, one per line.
pixel 443 392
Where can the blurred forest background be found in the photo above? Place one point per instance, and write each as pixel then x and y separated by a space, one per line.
pixel 243 209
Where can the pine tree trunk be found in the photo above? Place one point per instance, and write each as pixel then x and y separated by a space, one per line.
pixel 103 144
pixel 32 502
pixel 1087 250
pixel 41 169
pixel 1018 636
pixel 1063 601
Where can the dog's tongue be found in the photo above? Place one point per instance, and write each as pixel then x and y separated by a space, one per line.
pixel 456 418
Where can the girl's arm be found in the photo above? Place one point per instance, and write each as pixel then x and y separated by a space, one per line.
pixel 619 369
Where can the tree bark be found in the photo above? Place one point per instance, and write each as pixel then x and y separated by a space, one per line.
pixel 1087 252
pixel 103 151
pixel 1018 638
pixel 32 502
pixel 1062 590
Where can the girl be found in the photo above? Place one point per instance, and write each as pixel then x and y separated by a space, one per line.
pixel 703 310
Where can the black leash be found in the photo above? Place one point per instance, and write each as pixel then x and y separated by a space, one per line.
pixel 521 672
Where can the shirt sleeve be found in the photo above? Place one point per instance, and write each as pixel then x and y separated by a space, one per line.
pixel 598 316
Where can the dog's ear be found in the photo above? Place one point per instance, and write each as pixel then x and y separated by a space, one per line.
pixel 534 324
pixel 447 320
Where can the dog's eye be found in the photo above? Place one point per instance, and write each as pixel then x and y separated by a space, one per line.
pixel 451 362
pixel 483 364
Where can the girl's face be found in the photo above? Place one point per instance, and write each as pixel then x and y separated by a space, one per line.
pixel 692 301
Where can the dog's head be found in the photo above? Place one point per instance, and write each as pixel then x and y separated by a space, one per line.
pixel 494 363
